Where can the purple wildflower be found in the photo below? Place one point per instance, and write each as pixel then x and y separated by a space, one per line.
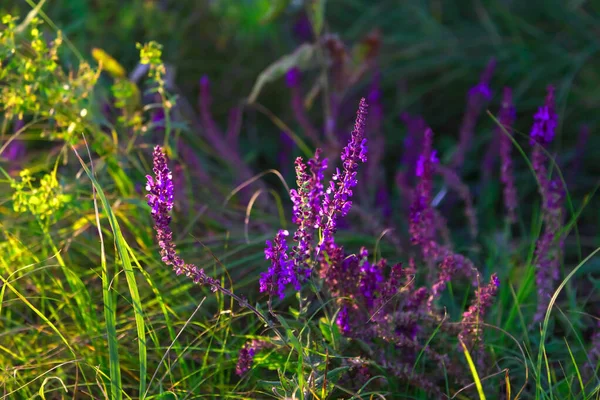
pixel 246 355
pixel 15 150
pixel 245 360
pixel 157 119
pixel 307 203
pixel 382 200
pixel 160 200
pixel 506 118
pixel 422 227
pixel 282 271
pixel 415 129
pixel 302 28
pixel 545 121
pixel 343 321
pixel 371 278
pixel 478 96
pixel 337 196
pixel 472 318
pixel 285 152
pixel 234 126
pixel 548 252
pixel 447 270
pixel 204 104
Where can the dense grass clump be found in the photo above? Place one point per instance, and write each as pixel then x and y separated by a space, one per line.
pixel 298 221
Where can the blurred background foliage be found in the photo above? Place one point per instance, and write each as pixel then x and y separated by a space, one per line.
pixel 432 51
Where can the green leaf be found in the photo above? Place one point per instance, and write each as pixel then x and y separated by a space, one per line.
pixel 473 369
pixel 326 330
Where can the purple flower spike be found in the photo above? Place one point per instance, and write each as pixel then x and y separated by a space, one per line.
pixel 473 317
pixel 307 206
pixel 204 82
pixel 422 227
pixel 337 197
pixel 506 118
pixel 478 96
pixel 160 200
pixel 245 360
pixel 545 121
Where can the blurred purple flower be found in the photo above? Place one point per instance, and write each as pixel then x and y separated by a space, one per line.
pixel 477 98
pixel 371 278
pixel 382 201
pixel 246 355
pixel 506 118
pixel 15 150
pixel 158 119
pixel 545 121
pixel 474 316
pixel 447 270
pixel 302 28
pixel 550 243
pixel 292 79
pixel 422 226
pixel 343 321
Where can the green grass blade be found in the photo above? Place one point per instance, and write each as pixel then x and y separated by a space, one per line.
pixel 131 282
pixel 473 369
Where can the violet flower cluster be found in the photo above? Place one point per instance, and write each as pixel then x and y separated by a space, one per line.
pixel 314 209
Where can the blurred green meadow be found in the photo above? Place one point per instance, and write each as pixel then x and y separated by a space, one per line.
pixel 88 88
